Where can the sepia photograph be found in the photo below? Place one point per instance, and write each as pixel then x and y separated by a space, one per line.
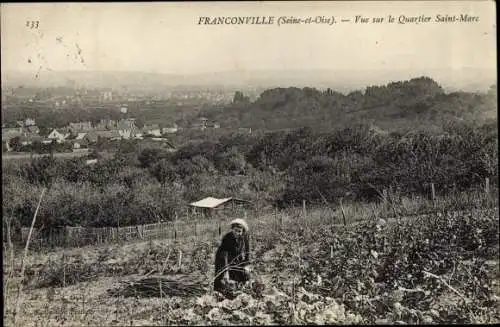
pixel 249 163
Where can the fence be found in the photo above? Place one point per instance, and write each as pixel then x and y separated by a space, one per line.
pixel 82 236
pixel 263 222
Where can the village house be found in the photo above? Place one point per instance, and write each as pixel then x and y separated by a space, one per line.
pixel 76 136
pixel 77 145
pixel 106 96
pixel 94 136
pixel 10 133
pixel 127 128
pixel 32 129
pixel 201 125
pixel 75 128
pixel 153 129
pixel 170 130
pixel 25 123
pixel 29 139
pixel 80 136
pixel 27 135
pixel 204 124
pixel 24 128
pixel 78 141
pixel 106 124
pixel 58 136
pixel 29 122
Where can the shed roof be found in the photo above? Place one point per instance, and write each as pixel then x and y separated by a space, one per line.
pixel 209 202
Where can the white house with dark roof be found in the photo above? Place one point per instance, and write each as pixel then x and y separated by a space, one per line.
pixel 55 135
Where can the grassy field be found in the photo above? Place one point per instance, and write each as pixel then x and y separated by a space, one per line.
pixel 436 268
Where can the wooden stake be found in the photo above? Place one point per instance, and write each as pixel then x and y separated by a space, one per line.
pixel 64 268
pixel 20 285
pixel 179 262
pixel 343 212
pixel 385 200
pixel 487 186
pixel 433 193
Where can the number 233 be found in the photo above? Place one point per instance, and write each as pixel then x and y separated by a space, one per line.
pixel 32 24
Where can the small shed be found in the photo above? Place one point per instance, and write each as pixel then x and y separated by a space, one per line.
pixel 210 206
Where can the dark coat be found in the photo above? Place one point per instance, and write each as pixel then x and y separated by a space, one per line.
pixel 232 252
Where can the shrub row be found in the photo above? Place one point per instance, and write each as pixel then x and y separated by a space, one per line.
pixel 138 185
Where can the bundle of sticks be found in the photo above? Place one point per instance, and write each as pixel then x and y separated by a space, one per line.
pixel 159 287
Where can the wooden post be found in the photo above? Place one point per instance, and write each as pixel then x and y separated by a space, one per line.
pixel 218 223
pixel 64 267
pixel 179 262
pixel 343 212
pixel 385 201
pixel 433 193
pixel 487 186
pixel 331 251
pixel 195 231
pixel 304 208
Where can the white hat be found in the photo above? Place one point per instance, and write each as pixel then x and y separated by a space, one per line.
pixel 240 222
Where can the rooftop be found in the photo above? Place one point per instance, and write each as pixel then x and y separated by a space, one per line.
pixel 210 202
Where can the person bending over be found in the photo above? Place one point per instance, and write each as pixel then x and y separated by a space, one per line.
pixel 232 258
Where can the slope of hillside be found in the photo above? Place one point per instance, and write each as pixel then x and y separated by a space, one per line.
pixel 404 104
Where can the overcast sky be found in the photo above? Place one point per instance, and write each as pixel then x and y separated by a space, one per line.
pixel 165 37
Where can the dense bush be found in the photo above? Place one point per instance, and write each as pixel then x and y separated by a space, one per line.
pixel 138 185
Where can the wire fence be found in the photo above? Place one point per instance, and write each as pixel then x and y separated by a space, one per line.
pixel 82 236
pixel 261 222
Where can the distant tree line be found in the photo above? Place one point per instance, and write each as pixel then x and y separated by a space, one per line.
pixel 401 105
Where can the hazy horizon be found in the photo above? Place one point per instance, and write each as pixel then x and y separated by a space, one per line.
pixel 340 80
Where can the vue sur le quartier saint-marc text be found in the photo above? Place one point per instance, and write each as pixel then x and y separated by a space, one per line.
pixel 270 20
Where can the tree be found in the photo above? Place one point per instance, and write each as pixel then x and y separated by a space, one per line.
pixel 239 97
pixel 15 144
pixel 140 122
pixel 231 161
pixel 164 171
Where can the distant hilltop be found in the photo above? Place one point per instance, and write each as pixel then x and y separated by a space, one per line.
pixel 467 79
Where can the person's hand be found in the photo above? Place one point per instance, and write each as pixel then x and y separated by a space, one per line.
pixel 225 278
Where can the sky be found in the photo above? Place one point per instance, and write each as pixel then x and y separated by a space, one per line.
pixel 165 37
